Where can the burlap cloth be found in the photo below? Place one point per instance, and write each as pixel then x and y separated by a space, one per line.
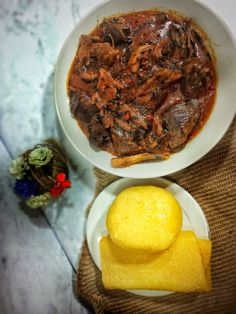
pixel 212 183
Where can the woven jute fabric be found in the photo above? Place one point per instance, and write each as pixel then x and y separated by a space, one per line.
pixel 211 181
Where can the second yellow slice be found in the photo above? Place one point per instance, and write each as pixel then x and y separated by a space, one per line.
pixel 184 267
pixel 144 218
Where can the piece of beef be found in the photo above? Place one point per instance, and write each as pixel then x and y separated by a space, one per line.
pixel 107 87
pixel 139 55
pixel 89 76
pixel 140 137
pixel 116 32
pixel 97 133
pixel 102 53
pixel 85 44
pixel 180 120
pixel 199 48
pixel 106 118
pixel 173 98
pixel 161 78
pixel 179 42
pixel 81 106
pixel 159 96
pixel 157 127
pixel 123 142
pixel 192 82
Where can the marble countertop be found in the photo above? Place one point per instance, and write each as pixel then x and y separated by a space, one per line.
pixel 39 252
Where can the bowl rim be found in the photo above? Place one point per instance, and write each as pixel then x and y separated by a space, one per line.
pixel 121 171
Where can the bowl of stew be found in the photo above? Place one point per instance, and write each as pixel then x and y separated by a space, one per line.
pixel 146 89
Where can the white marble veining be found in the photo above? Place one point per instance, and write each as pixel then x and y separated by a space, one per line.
pixel 35 274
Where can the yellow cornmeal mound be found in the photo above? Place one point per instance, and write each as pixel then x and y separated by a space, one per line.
pixel 184 267
pixel 144 218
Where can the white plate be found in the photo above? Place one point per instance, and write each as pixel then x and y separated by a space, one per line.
pixel 193 217
pixel 220 119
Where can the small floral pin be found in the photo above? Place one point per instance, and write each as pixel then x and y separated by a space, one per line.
pixel 41 174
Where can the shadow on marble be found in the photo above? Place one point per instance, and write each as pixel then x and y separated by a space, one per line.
pixel 88 306
pixel 49 117
pixel 31 213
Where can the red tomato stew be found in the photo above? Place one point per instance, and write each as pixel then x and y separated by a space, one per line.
pixel 143 82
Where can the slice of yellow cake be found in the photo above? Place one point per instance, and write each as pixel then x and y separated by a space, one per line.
pixel 179 268
pixel 205 247
pixel 144 218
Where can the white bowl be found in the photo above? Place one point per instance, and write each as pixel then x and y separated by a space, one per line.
pixel 224 110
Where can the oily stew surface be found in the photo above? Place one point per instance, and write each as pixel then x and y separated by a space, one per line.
pixel 142 82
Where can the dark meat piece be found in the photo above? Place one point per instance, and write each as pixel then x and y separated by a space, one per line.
pixel 106 80
pixel 88 76
pixel 180 120
pixel 126 53
pixel 82 106
pixel 158 48
pixel 146 101
pixel 97 133
pixel 139 56
pixel 140 137
pixel 85 43
pixel 199 49
pixel 123 124
pixel 172 99
pixel 159 96
pixel 107 88
pixel 148 31
pixel 194 73
pixel 180 33
pixel 128 110
pixel 161 78
pixel 157 125
pixel 107 119
pixel 136 115
pixel 103 53
pixel 116 32
pixel 123 142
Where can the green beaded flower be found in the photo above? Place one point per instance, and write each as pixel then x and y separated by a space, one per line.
pixel 18 167
pixel 38 201
pixel 40 156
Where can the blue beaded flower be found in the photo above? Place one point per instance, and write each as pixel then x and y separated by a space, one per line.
pixel 26 188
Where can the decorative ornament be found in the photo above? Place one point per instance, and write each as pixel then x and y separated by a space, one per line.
pixel 60 185
pixel 26 187
pixel 41 173
pixel 38 201
pixel 18 167
pixel 40 156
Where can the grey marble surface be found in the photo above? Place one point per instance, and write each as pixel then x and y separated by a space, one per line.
pixel 32 33
pixel 35 274
pixel 39 253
